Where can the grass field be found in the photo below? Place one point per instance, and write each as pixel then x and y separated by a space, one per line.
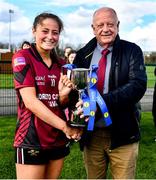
pixel 74 168
pixel 150 76
pixel 6 81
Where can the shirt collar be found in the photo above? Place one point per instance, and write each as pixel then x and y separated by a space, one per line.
pixel 100 48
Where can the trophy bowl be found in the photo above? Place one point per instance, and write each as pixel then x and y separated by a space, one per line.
pixel 79 77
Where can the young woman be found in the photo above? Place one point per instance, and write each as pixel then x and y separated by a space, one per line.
pixel 67 50
pixel 71 56
pixel 41 138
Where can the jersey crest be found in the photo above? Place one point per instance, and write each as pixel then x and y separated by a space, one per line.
pixel 19 61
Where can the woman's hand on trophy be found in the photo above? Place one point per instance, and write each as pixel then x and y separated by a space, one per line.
pixel 79 106
pixel 73 133
pixel 64 87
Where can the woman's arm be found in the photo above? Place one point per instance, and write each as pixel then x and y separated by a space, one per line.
pixel 40 110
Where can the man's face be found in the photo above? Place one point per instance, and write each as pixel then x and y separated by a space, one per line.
pixel 105 27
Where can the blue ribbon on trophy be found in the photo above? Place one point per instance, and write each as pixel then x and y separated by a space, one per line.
pixel 66 69
pixel 95 97
pixel 69 66
pixel 91 97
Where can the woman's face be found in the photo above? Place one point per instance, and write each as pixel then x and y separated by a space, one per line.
pixel 71 57
pixel 26 46
pixel 66 52
pixel 46 34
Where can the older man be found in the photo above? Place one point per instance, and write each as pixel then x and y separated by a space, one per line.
pixel 123 86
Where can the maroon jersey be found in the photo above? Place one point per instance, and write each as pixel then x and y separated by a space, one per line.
pixel 30 71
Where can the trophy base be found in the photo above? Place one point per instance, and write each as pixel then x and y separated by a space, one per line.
pixel 76 121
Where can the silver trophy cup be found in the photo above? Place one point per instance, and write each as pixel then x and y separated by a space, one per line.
pixel 79 76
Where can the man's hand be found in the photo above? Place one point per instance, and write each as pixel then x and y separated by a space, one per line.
pixel 79 106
